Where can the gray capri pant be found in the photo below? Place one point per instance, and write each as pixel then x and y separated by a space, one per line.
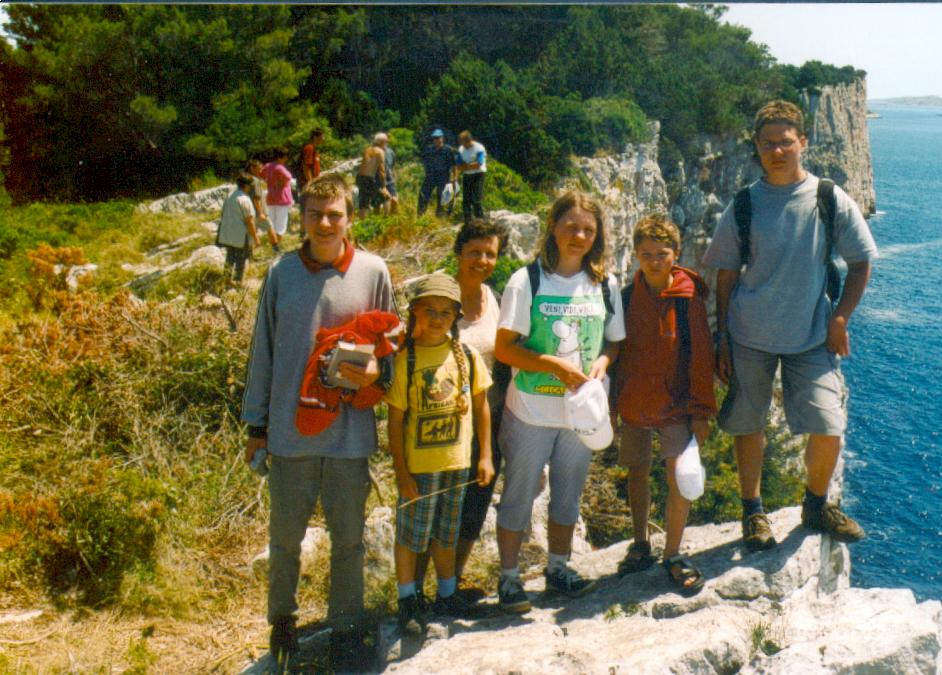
pixel 526 450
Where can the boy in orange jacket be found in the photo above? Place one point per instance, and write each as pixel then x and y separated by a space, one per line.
pixel 665 384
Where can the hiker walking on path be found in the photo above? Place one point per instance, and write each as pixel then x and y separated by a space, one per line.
pixel 279 198
pixel 391 206
pixel 237 231
pixel 438 160
pixel 664 377
pixel 325 283
pixel 371 177
pixel 311 158
pixel 472 165
pixel 438 392
pixel 258 192
pixel 778 310
pixel 557 333
pixel 477 247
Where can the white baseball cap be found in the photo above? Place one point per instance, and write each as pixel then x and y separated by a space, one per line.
pixel 587 414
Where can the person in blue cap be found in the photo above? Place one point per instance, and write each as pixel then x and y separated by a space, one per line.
pixel 438 158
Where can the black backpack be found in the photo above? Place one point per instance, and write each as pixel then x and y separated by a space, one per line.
pixel 827 207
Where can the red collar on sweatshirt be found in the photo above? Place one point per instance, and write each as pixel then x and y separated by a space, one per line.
pixel 341 263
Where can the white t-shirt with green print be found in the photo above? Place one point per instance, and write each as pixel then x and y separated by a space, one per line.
pixel 566 318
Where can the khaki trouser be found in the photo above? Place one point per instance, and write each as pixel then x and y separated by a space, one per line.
pixel 295 485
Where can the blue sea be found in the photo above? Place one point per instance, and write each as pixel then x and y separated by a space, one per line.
pixel 893 479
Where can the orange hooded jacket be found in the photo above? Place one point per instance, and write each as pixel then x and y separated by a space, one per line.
pixel 651 390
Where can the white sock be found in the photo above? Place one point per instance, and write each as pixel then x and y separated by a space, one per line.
pixel 557 561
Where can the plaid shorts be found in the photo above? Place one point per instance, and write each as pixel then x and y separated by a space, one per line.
pixel 433 517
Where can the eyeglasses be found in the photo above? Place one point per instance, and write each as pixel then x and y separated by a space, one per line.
pixel 770 146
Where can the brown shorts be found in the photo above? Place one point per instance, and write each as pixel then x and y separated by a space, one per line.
pixel 636 447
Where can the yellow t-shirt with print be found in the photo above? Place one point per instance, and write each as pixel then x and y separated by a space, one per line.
pixel 437 437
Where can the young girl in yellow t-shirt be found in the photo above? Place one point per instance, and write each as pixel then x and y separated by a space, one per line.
pixel 438 389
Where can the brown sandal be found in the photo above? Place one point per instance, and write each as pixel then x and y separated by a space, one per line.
pixel 637 558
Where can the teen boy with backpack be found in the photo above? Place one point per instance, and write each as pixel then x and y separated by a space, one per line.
pixel 776 310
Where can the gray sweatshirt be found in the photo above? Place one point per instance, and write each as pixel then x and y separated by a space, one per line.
pixel 293 305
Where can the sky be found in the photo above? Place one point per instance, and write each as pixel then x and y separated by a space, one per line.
pixel 899 45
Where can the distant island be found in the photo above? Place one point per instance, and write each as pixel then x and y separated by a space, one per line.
pixel 911 100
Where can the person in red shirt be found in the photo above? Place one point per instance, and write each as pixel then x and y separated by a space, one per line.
pixel 662 385
pixel 310 158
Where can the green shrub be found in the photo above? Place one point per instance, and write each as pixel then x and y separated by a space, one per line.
pixel 102 523
pixel 504 188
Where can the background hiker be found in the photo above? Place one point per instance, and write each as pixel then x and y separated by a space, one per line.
pixel 278 199
pixel 371 176
pixel 325 283
pixel 438 160
pixel 257 193
pixel 237 229
pixel 665 384
pixel 437 394
pixel 311 158
pixel 472 164
pixel 389 160
pixel 556 337
pixel 776 311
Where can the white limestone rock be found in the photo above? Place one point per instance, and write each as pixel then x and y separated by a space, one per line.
pixel 203 201
pixel 772 600
pixel 523 230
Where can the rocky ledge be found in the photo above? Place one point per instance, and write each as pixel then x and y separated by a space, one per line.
pixel 787 610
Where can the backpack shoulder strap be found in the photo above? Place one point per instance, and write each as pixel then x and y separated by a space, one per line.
pixel 410 367
pixel 682 307
pixel 533 271
pixel 626 299
pixel 607 297
pixel 470 360
pixel 827 206
pixel 742 210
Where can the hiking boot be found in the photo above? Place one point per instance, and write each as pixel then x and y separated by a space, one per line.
pixel 511 597
pixel 456 606
pixel 757 532
pixel 829 519
pixel 567 581
pixel 412 616
pixel 283 642
pixel 352 650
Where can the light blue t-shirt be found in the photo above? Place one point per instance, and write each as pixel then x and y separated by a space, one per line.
pixel 779 305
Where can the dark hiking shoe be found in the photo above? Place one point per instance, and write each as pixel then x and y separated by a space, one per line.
pixel 511 597
pixel 829 519
pixel 352 650
pixel 411 616
pixel 284 640
pixel 455 605
pixel 757 532
pixel 567 581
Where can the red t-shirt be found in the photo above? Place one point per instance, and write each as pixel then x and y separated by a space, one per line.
pixel 312 159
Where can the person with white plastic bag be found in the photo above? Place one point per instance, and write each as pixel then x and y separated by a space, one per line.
pixel 664 384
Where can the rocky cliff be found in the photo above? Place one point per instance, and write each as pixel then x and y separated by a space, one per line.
pixel 787 610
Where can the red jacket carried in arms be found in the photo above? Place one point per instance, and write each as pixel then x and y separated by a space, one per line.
pixel 650 392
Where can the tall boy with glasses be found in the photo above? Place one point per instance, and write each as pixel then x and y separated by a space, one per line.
pixel 776 311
